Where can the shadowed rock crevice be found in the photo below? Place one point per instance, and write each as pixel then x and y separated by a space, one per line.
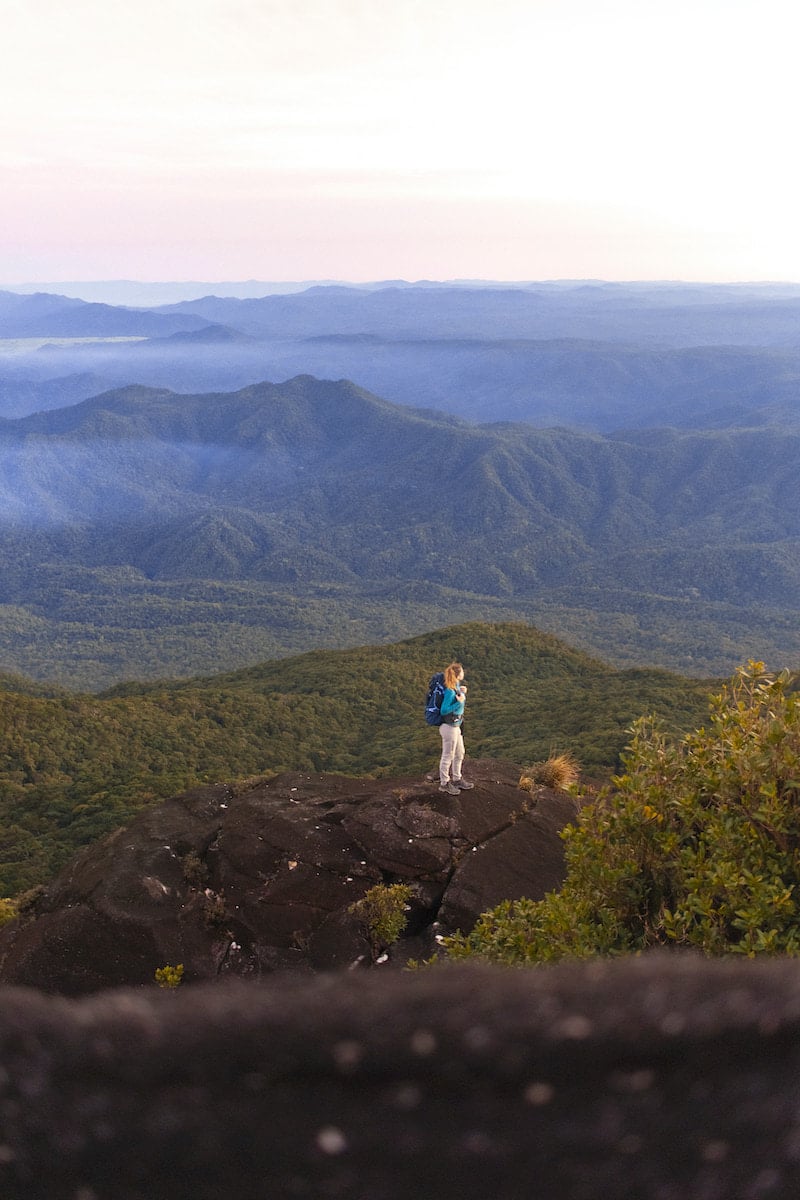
pixel 250 879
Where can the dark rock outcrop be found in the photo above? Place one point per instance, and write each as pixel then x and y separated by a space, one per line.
pixel 250 879
pixel 660 1078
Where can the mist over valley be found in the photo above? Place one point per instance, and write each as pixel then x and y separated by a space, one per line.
pixel 590 356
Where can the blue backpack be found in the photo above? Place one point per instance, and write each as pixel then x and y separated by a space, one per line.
pixel 433 700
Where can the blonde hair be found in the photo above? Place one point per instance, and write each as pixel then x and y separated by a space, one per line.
pixel 451 674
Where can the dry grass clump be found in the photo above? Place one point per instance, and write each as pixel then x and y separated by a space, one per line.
pixel 559 772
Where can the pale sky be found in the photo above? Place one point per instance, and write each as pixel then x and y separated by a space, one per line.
pixel 347 139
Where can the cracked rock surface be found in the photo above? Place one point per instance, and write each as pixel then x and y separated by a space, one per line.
pixel 249 879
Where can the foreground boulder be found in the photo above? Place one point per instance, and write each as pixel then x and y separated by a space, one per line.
pixel 246 880
pixel 660 1078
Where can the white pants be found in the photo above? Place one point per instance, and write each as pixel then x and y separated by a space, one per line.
pixel 452 753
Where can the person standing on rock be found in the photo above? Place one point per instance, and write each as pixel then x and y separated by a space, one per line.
pixel 452 710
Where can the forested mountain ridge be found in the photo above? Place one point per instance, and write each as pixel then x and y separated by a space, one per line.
pixel 327 490
pixel 358 476
pixel 301 412
pixel 74 767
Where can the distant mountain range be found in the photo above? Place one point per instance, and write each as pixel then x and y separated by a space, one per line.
pixel 42 315
pixel 595 357
pixel 680 316
pixel 146 294
pixel 313 485
pixel 134 293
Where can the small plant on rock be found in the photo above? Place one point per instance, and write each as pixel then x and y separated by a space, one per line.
pixel 214 911
pixel 169 977
pixel 382 911
pixel 559 772
pixel 195 871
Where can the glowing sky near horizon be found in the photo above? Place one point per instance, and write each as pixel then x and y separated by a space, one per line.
pixel 311 139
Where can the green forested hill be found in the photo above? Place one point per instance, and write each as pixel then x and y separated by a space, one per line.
pixel 125 514
pixel 74 767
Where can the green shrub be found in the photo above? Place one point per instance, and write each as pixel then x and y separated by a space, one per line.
pixel 382 911
pixel 169 977
pixel 195 871
pixel 697 845
pixel 214 910
pixel 8 911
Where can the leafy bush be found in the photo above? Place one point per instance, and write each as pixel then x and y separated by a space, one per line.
pixel 698 845
pixel 382 910
pixel 8 911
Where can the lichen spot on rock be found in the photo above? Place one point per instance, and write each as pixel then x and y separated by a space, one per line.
pixel 632 1081
pixel 574 1027
pixel 347 1055
pixel 331 1140
pixel 407 1096
pixel 423 1042
pixel 539 1093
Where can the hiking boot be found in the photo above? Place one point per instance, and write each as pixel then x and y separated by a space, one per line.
pixel 450 788
pixel 463 785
